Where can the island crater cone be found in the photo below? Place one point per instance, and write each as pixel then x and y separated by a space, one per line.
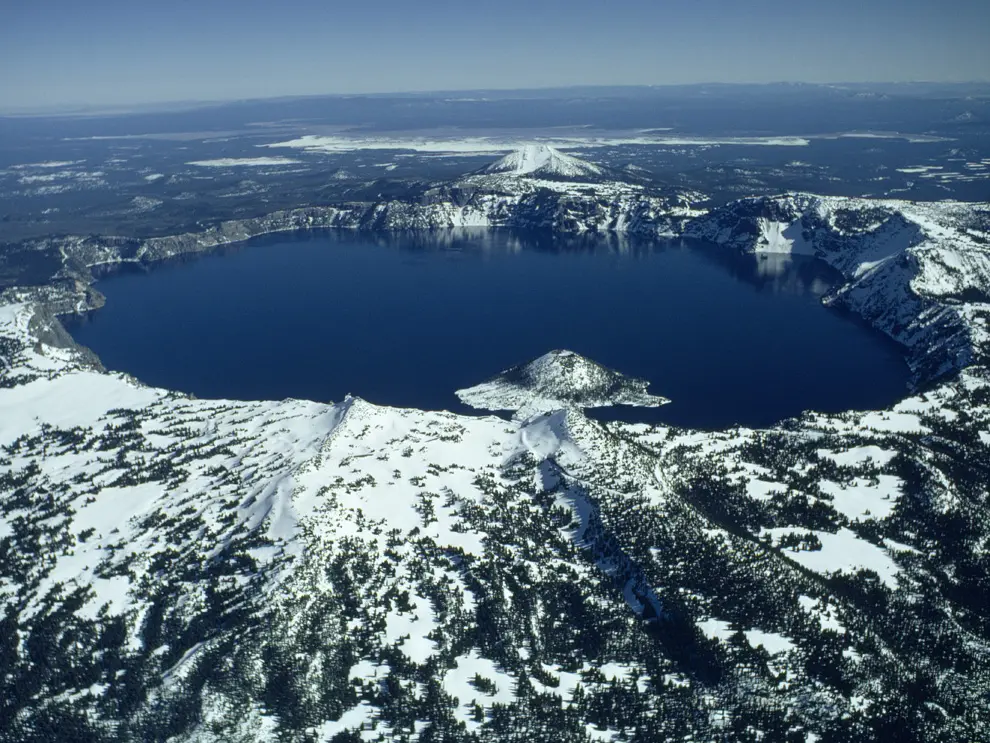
pixel 558 379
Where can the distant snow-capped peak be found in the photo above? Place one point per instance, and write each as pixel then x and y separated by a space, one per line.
pixel 543 160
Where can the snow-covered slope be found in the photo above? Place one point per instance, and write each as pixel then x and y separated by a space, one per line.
pixel 543 161
pixel 558 379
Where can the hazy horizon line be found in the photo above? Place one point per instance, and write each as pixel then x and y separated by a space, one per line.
pixel 174 105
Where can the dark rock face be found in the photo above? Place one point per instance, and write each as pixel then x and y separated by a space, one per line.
pixel 45 327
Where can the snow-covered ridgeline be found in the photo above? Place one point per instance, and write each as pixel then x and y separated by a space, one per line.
pixel 478 201
pixel 197 510
pixel 52 385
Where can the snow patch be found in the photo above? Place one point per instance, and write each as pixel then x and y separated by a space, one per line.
pixel 246 162
pixel 842 552
pixel 859 456
pixel 782 237
pixel 863 498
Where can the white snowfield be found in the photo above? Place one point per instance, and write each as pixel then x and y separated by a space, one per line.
pixel 772 642
pixel 485 145
pixel 47 164
pixel 843 551
pixel 459 145
pixel 243 162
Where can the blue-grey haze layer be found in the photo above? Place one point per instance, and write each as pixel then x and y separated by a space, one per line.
pixel 112 51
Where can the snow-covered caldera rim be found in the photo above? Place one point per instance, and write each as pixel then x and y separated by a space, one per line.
pixel 560 379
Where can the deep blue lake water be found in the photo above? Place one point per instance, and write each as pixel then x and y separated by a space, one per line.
pixel 406 319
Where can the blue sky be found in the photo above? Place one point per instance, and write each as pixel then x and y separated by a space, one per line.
pixel 55 52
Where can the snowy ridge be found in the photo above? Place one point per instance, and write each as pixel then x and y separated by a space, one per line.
pixel 480 145
pixel 558 379
pixel 219 506
pixel 53 389
pixel 475 201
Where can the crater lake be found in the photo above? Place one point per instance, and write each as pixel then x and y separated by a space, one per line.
pixel 405 319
